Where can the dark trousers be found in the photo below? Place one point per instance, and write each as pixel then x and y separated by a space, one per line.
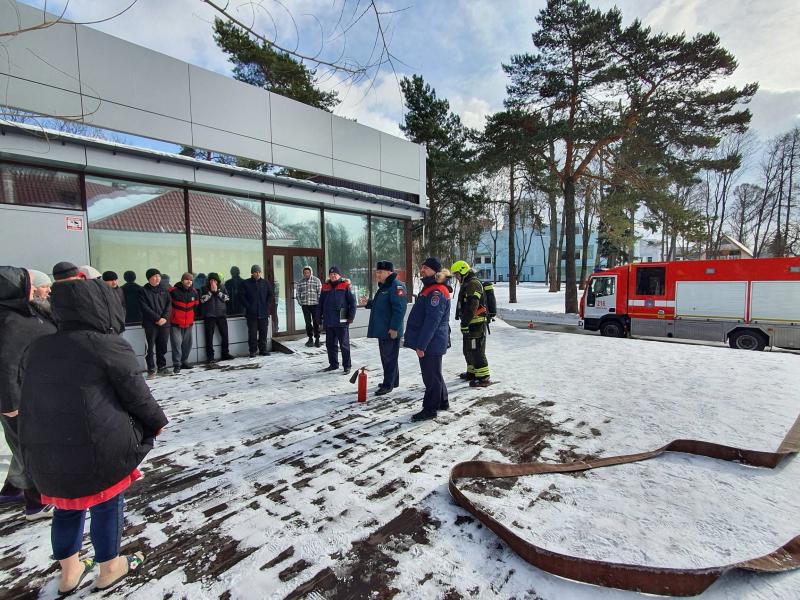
pixel 435 388
pixel 156 338
pixel 181 340
pixel 257 334
pixel 475 355
pixel 390 351
pixel 335 338
pixel 17 478
pixel 221 324
pixel 105 529
pixel 311 317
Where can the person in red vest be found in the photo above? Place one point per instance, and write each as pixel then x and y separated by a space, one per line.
pixel 185 300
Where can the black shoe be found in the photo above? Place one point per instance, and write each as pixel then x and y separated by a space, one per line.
pixel 151 372
pixel 346 370
pixel 176 370
pixel 382 391
pixel 211 360
pixel 186 366
pixel 330 368
pixel 264 353
pixel 252 355
pixel 445 406
pixel 423 416
pixel 163 371
pixel 316 343
pixel 483 382
pixel 227 357
pixel 467 376
pixel 309 343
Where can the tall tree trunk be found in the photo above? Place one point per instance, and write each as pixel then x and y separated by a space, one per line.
pixel 587 201
pixel 553 258
pixel 571 295
pixel 560 254
pixel 494 259
pixel 512 234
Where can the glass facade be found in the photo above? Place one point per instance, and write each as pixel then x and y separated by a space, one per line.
pixel 29 186
pixel 133 227
pixel 226 239
pixel 346 247
pixel 293 226
pixel 389 243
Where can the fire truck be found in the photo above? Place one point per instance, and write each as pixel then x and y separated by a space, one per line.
pixel 750 303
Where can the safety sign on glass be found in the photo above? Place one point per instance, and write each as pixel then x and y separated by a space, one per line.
pixel 74 223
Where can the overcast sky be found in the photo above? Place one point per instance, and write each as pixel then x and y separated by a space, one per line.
pixel 458 46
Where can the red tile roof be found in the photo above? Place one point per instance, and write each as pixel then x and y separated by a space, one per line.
pixel 23 185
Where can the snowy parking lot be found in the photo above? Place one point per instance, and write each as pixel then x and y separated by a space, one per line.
pixel 272 482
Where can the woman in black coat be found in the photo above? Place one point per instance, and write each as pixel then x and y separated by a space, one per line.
pixel 86 421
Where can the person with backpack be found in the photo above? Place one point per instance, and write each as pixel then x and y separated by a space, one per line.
pixel 474 311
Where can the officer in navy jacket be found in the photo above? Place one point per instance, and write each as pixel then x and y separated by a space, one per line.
pixel 428 333
pixel 257 297
pixel 387 313
pixel 337 305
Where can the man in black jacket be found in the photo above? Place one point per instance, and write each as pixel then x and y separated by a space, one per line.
pixel 213 300
pixel 111 279
pixel 87 419
pixel 155 304
pixel 257 300
pixel 20 324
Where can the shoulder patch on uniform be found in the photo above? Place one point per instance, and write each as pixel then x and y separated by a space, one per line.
pixel 400 291
pixel 435 297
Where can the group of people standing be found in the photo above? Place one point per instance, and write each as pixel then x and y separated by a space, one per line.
pixel 76 414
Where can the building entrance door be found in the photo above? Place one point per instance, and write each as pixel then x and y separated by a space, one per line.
pixel 285 267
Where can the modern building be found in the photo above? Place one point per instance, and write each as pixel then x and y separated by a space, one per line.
pixel 531 246
pixel 331 192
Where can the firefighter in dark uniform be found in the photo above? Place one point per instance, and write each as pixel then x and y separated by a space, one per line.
pixel 428 334
pixel 475 312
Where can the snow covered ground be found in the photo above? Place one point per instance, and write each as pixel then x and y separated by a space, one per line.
pixel 272 482
pixel 534 303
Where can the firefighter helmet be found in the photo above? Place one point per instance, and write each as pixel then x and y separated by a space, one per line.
pixel 461 267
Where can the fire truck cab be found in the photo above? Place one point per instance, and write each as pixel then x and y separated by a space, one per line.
pixel 750 303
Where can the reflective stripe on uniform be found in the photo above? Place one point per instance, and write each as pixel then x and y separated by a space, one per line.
pixel 481 372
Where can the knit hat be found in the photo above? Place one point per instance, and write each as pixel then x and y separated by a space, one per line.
pixel 150 272
pixel 38 279
pixel 214 276
pixel 88 272
pixel 335 269
pixel 255 269
pixel 64 270
pixel 434 263
pixel 110 276
pixel 129 276
pixel 384 265
pixel 188 276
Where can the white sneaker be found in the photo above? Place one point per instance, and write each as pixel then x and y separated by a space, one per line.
pixel 34 514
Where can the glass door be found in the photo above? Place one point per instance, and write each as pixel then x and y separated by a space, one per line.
pixel 286 268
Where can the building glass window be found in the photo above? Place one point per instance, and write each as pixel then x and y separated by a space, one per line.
pixel 226 239
pixel 29 186
pixel 293 226
pixel 346 247
pixel 389 243
pixel 133 227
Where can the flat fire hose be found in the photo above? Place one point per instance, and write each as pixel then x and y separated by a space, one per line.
pixel 651 580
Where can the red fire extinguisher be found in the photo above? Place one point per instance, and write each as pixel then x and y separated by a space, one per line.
pixel 362 385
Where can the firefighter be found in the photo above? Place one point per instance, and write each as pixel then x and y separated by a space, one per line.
pixel 475 308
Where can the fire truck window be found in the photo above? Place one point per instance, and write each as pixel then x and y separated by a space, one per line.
pixel 603 286
pixel 650 281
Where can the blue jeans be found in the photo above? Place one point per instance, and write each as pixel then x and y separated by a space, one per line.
pixel 105 529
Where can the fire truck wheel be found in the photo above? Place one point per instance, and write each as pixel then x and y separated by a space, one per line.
pixel 746 339
pixel 612 328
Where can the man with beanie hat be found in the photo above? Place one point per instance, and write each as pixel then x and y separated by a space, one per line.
pixel 64 270
pixel 88 272
pixel 338 307
pixel 184 299
pixel 257 297
pixel 20 325
pixel 41 292
pixel 112 281
pixel 213 306
pixel 155 304
pixel 307 292
pixel 131 290
pixel 387 313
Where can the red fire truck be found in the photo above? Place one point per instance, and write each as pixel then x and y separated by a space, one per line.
pixel 750 303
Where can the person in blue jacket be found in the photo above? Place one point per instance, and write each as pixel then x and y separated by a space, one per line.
pixel 337 305
pixel 387 313
pixel 256 297
pixel 428 333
